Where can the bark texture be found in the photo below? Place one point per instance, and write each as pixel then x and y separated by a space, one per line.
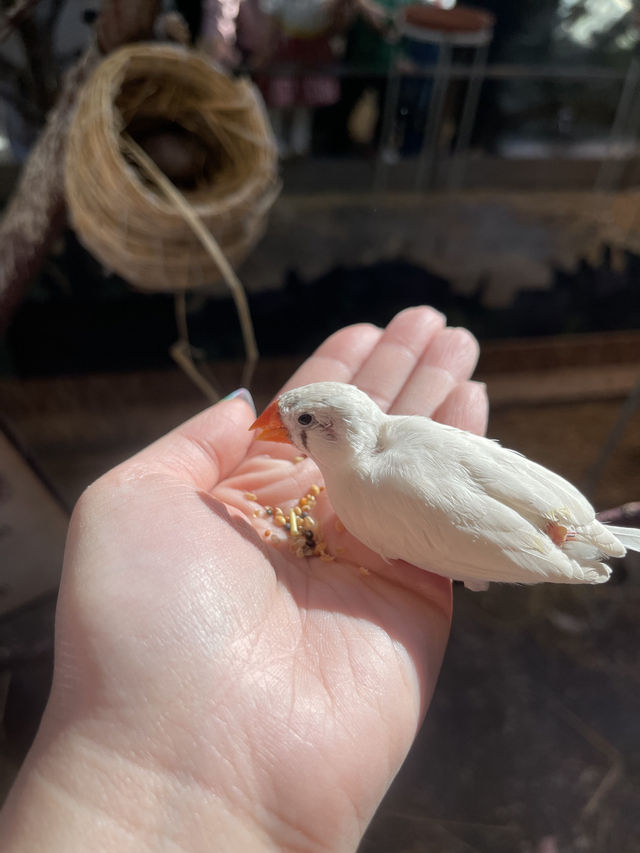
pixel 35 214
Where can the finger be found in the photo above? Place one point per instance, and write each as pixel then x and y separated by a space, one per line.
pixel 448 360
pixel 339 358
pixel 202 451
pixel 397 352
pixel 466 407
pixel 456 350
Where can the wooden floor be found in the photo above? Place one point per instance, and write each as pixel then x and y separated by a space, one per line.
pixel 533 735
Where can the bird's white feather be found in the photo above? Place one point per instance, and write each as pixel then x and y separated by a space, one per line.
pixel 629 536
pixel 419 502
pixel 447 500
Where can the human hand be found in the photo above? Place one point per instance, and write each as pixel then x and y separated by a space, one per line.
pixel 211 689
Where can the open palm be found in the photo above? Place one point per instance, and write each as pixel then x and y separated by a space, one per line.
pixel 284 690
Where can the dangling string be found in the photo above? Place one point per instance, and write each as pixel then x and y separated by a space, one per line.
pixel 183 354
pixel 182 351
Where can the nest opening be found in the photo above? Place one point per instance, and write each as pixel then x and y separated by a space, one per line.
pixel 174 133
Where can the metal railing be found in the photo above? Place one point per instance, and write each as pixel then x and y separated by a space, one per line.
pixel 624 127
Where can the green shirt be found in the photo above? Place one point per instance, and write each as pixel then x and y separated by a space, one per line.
pixel 369 49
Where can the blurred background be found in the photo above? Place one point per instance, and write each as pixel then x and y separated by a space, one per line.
pixel 381 154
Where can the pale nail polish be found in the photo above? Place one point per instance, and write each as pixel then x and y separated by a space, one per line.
pixel 242 394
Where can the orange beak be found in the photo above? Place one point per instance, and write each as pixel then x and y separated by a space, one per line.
pixel 270 425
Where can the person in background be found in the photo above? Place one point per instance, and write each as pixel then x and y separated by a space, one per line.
pixel 300 35
pixel 218 31
pixel 370 44
pixel 213 24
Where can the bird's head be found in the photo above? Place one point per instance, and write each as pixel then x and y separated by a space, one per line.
pixel 329 421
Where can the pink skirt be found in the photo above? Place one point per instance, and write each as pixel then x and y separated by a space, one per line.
pixel 302 87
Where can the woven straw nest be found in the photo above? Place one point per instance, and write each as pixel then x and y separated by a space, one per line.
pixel 150 102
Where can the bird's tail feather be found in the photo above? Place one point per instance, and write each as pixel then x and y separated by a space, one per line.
pixel 629 536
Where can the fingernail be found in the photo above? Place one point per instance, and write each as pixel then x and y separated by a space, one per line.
pixel 242 394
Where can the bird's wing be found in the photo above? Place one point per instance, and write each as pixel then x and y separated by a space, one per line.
pixel 535 492
pixel 629 536
pixel 541 496
pixel 478 511
pixel 493 542
pixel 457 530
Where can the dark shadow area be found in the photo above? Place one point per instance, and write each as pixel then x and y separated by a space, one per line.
pixel 77 321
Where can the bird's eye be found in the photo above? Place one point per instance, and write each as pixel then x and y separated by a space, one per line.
pixel 304 419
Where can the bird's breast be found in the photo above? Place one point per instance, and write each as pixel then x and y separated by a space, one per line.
pixel 371 509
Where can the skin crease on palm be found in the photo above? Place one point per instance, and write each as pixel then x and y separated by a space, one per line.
pixel 210 685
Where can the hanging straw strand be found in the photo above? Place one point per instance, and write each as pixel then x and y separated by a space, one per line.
pixel 210 244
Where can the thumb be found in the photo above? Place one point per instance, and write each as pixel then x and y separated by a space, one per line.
pixel 206 448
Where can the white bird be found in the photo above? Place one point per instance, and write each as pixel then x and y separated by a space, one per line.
pixel 441 498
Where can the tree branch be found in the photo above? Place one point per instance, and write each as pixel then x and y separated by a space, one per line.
pixel 26 109
pixel 124 21
pixel 43 70
pixel 13 17
pixel 35 215
pixel 54 13
pixel 8 69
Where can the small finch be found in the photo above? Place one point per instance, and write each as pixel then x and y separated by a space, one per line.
pixel 443 499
